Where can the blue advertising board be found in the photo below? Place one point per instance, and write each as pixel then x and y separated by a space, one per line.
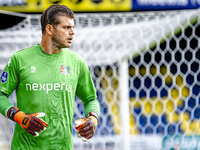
pixel 164 4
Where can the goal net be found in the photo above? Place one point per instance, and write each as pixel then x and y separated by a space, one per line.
pixel 145 67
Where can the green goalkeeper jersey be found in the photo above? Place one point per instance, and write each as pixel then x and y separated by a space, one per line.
pixel 48 83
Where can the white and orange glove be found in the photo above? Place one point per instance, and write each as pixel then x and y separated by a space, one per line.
pixel 30 122
pixel 85 127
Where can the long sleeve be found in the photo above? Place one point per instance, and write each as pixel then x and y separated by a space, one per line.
pixel 9 81
pixel 92 105
pixel 86 91
pixel 5 104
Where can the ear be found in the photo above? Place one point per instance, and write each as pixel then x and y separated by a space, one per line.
pixel 49 29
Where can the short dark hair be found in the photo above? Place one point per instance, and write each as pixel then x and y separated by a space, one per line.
pixel 49 16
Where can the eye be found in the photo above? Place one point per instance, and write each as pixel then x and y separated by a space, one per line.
pixel 69 27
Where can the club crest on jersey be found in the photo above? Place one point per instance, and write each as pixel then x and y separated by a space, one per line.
pixel 4 77
pixel 65 69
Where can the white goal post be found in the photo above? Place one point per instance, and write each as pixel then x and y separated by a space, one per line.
pixel 145 67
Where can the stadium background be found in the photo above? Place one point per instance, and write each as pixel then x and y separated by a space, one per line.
pixel 163 79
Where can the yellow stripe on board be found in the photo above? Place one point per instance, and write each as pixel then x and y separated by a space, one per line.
pixel 75 5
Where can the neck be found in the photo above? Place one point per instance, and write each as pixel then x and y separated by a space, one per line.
pixel 48 46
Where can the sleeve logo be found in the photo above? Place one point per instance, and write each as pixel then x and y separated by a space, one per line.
pixel 4 77
pixel 9 62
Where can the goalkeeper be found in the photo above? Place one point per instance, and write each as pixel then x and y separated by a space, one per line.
pixel 46 78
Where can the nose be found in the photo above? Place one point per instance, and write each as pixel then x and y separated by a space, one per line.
pixel 72 32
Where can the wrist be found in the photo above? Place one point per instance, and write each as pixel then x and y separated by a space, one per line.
pixel 94 116
pixel 11 112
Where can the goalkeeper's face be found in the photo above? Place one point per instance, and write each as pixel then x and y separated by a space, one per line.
pixel 63 33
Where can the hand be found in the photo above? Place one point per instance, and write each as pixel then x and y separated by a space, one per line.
pixel 30 122
pixel 86 127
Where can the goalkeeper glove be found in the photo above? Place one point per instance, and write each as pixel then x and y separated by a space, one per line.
pixel 86 126
pixel 30 122
pixel 78 122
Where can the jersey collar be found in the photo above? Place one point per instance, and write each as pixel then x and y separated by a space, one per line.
pixel 41 52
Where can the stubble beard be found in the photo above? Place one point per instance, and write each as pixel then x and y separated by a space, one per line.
pixel 58 44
